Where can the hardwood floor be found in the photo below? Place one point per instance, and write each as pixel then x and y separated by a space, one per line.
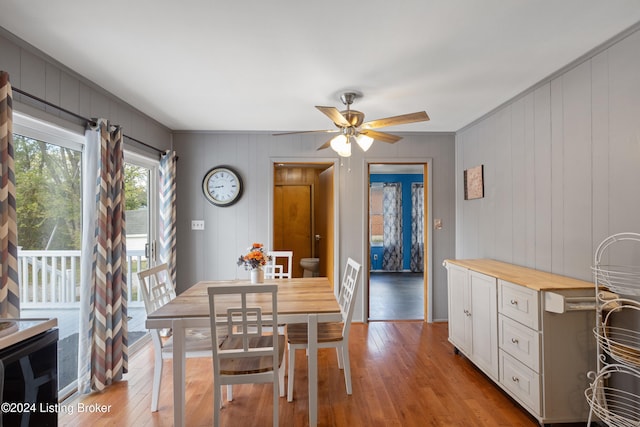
pixel 404 374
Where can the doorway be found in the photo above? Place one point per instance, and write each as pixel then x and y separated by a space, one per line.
pixel 303 211
pixel 397 242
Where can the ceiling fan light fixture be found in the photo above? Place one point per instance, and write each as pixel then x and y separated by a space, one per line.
pixel 340 144
pixel 353 128
pixel 364 141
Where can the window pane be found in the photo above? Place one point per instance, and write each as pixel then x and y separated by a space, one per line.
pixel 136 188
pixel 49 209
pixel 376 222
pixel 48 195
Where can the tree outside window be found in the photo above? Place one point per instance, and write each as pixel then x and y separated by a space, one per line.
pixel 48 195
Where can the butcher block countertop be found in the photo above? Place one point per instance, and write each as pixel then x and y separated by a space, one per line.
pixel 528 277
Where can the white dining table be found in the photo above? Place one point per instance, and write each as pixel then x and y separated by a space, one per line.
pixel 300 300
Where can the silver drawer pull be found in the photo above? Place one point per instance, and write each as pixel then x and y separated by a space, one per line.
pixel 514 302
pixel 515 379
pixel 514 340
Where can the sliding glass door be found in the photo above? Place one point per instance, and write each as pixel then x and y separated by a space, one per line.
pixel 49 175
pixel 141 215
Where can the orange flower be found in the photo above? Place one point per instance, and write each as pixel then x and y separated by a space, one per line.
pixel 255 258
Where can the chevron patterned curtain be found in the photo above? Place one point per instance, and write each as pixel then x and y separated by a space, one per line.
pixel 168 163
pixel 104 346
pixel 9 292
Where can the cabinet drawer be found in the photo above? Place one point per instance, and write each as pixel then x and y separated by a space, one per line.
pixel 522 382
pixel 520 342
pixel 519 303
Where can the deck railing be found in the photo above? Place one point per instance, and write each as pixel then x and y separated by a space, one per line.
pixel 52 278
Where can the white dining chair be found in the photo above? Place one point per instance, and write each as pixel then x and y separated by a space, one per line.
pixel 278 271
pixel 330 334
pixel 157 289
pixel 248 354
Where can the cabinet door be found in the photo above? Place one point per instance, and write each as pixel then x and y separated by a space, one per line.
pixel 459 320
pixel 484 315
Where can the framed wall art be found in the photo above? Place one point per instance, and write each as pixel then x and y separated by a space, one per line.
pixel 474 183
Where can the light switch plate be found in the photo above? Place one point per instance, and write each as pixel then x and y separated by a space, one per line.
pixel 197 224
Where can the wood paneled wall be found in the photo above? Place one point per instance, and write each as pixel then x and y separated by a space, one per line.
pixel 37 74
pixel 561 164
pixel 306 176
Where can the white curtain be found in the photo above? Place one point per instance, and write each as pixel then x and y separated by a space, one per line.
pixel 91 160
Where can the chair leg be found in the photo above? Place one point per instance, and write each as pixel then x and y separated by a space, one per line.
pixel 281 374
pixel 347 367
pixel 157 377
pixel 292 368
pixel 229 393
pixel 217 405
pixel 340 356
pixel 276 402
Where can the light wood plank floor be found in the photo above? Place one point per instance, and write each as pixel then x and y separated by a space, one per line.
pixel 404 374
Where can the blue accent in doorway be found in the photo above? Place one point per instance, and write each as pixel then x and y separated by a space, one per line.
pixel 406 180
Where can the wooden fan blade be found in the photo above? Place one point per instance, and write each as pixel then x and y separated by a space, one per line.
pixel 335 116
pixel 396 120
pixel 325 145
pixel 307 131
pixel 381 136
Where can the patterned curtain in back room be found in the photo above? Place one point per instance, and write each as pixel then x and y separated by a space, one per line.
pixel 392 201
pixel 417 227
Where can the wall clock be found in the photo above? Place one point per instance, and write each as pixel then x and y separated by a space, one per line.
pixel 222 186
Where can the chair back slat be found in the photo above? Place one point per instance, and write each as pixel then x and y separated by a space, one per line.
pixel 278 271
pixel 243 323
pixel 348 291
pixel 156 287
pixel 273 271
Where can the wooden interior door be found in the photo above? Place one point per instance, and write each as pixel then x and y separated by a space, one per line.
pixel 292 222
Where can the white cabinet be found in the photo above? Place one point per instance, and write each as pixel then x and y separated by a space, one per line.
pixel 520 338
pixel 459 320
pixel 473 327
pixel 538 356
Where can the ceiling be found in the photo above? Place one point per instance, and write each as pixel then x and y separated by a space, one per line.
pixel 258 65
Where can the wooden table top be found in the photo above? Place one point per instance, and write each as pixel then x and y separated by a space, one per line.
pixel 528 277
pixel 297 296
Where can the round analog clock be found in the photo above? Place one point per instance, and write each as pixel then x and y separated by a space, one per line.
pixel 222 186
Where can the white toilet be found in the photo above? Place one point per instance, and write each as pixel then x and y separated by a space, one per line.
pixel 311 266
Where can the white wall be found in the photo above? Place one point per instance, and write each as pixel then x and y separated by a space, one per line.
pixel 212 253
pixel 561 164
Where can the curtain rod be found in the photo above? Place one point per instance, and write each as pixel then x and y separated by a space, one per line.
pixel 77 116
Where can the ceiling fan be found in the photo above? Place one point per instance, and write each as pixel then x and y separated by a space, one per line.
pixel 351 128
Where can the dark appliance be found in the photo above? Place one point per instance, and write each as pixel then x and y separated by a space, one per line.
pixel 29 382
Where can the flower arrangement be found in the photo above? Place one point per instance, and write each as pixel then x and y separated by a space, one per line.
pixel 255 257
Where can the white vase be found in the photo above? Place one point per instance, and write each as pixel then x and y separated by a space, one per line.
pixel 257 276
